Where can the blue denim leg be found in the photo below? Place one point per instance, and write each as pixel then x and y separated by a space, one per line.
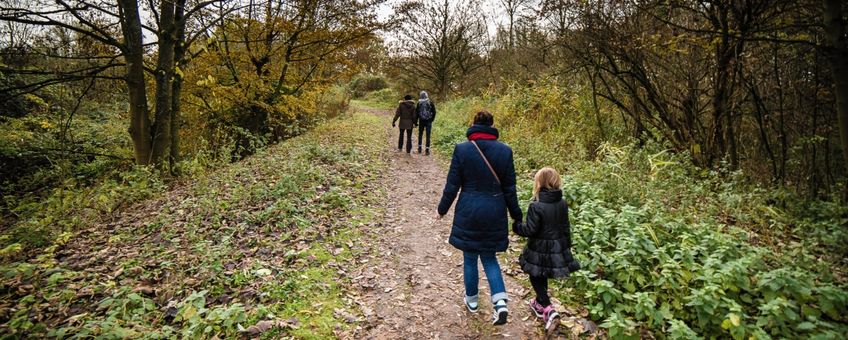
pixel 493 274
pixel 469 268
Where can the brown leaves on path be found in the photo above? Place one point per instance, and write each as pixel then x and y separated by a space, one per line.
pixel 414 284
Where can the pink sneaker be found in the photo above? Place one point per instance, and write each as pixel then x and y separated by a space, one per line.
pixel 550 317
pixel 537 308
pixel 548 314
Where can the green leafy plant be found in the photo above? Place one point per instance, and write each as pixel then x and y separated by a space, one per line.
pixel 667 247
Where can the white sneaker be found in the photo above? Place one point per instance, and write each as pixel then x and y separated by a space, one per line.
pixel 500 314
pixel 472 306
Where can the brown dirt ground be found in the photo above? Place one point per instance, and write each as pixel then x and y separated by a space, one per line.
pixel 413 289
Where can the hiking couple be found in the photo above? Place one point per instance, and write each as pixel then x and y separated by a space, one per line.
pixel 483 174
pixel 411 114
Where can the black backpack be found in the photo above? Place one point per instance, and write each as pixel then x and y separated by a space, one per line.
pixel 424 111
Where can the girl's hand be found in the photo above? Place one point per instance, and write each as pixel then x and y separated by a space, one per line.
pixel 439 216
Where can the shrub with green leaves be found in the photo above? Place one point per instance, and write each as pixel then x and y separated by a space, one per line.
pixel 365 83
pixel 667 247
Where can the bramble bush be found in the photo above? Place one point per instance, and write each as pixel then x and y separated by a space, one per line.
pixel 667 247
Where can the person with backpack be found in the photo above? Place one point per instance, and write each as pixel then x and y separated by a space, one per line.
pixel 406 113
pixel 426 111
pixel 547 254
pixel 482 172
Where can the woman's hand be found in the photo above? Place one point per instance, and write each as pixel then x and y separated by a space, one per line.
pixel 439 216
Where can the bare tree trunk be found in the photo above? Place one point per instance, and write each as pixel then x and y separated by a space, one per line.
pixel 134 55
pixel 838 55
pixel 164 77
pixel 781 104
pixel 595 107
pixel 732 151
pixel 176 88
pixel 720 96
pixel 759 112
pixel 732 146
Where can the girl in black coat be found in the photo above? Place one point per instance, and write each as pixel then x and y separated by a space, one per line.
pixel 548 251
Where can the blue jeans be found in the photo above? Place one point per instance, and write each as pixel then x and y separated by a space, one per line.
pixel 493 273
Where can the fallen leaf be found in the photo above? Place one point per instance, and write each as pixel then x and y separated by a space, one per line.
pixel 72 320
pixel 171 313
pixel 260 327
pixel 349 318
pixel 291 323
pixel 146 290
pixel 367 311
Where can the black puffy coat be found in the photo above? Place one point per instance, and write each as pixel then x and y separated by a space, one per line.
pixel 548 232
pixel 480 221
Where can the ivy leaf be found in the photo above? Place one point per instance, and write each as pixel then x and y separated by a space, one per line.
pixel 806 326
pixel 734 319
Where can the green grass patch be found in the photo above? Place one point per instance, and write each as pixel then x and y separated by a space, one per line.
pixel 380 99
pixel 251 250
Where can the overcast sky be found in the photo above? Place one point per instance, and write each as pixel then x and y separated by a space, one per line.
pixel 492 9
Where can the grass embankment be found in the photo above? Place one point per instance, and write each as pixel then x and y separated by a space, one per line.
pixel 668 248
pixel 382 99
pixel 257 248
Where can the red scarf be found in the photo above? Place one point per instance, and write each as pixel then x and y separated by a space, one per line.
pixel 482 135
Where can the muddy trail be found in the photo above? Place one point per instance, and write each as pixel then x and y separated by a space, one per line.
pixel 413 288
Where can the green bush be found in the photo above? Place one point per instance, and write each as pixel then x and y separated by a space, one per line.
pixel 60 174
pixel 366 83
pixel 334 101
pixel 385 98
pixel 73 205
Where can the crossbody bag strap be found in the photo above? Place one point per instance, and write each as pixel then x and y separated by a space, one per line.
pixel 487 162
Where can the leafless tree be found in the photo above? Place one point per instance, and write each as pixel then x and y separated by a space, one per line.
pixel 441 42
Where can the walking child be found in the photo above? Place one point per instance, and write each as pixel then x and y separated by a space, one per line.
pixel 547 254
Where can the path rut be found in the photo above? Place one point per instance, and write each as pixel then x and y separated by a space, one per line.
pixel 413 288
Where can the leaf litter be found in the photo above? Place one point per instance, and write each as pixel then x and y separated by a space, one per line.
pixel 215 252
pixel 412 248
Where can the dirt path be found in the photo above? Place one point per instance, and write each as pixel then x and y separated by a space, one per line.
pixel 414 288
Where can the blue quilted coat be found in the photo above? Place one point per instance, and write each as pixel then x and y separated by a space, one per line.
pixel 480 222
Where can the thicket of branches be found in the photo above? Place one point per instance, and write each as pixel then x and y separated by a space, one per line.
pixel 758 85
pixel 264 60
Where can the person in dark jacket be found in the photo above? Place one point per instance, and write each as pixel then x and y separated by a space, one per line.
pixel 406 113
pixel 426 111
pixel 548 250
pixel 483 173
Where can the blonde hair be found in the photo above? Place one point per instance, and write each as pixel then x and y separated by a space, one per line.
pixel 547 178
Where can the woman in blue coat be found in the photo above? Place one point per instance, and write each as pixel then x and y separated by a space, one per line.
pixel 483 173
